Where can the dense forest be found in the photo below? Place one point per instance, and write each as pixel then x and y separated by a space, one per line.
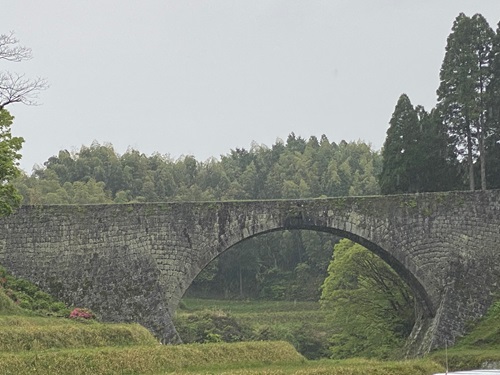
pixel 455 145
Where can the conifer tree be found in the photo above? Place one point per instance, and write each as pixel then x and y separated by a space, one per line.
pixel 492 142
pixel 465 74
pixel 494 86
pixel 398 168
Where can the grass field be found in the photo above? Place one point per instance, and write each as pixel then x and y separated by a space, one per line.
pixel 248 307
pixel 262 312
pixel 57 346
pixel 33 344
pixel 303 324
pixel 257 314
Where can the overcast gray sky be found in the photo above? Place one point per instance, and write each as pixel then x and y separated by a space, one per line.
pixel 201 77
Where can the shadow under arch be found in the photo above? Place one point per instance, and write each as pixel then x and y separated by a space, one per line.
pixel 424 308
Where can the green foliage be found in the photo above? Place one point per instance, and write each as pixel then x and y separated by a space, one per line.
pixel 302 324
pixel 210 326
pixel 298 169
pixel 462 95
pixel 7 305
pixel 29 297
pixel 399 150
pixel 414 153
pixel 273 284
pixel 285 265
pixel 492 141
pixel 458 141
pixel 370 306
pixel 9 156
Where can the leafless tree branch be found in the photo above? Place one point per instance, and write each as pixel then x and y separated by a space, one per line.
pixel 11 51
pixel 16 88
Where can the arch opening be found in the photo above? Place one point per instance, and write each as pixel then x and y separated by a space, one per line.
pixel 423 306
pixel 422 298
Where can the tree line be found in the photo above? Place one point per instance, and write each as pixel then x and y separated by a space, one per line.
pixel 458 142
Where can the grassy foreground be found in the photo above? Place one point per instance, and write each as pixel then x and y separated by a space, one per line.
pixel 234 358
pixel 151 359
pixel 56 346
pixel 35 339
pixel 32 344
pixel 38 334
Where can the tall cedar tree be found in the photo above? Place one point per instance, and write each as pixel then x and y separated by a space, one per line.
pixel 494 86
pixel 400 159
pixel 493 119
pixel 465 75
pixel 437 165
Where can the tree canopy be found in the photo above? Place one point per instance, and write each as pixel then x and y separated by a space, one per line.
pixel 465 77
pixel 458 140
pixel 370 305
pixel 9 156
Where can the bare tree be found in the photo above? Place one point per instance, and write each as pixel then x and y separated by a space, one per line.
pixel 14 87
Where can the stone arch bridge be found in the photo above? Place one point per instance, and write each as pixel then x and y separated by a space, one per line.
pixel 133 262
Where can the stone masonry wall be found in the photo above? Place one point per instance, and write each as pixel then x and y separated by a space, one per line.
pixel 134 262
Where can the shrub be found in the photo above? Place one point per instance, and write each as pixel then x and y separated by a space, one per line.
pixel 79 313
pixel 29 297
pixel 25 305
pixel 211 326
pixel 58 306
pixel 7 306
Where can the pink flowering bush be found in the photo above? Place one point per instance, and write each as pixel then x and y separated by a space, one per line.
pixel 79 313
